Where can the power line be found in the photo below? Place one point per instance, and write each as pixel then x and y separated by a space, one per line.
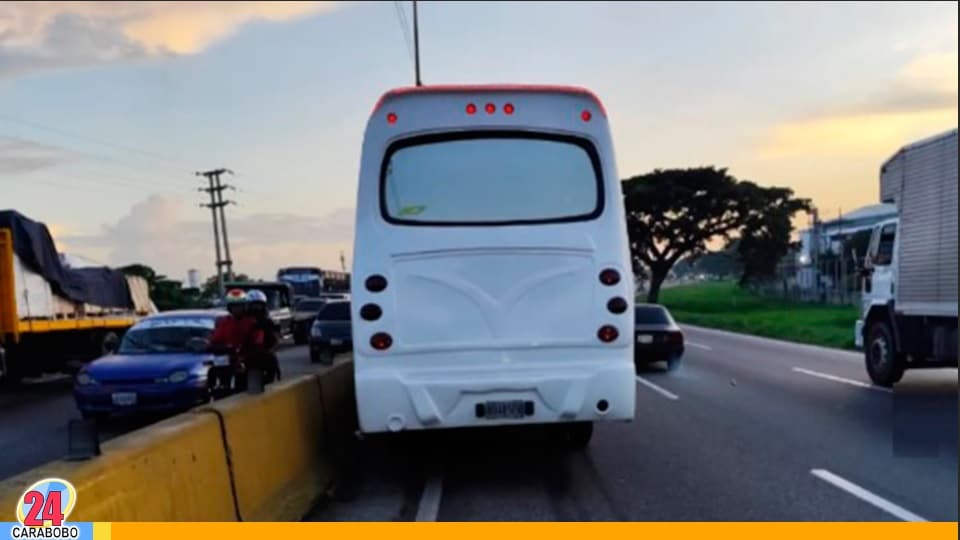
pixel 96 157
pixel 65 133
pixel 405 27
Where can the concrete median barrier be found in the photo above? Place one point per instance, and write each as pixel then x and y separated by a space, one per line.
pixel 175 470
pixel 275 440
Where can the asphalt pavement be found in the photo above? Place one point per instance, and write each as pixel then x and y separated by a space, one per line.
pixel 34 416
pixel 747 429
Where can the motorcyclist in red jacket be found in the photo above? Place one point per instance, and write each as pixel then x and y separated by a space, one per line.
pixel 230 336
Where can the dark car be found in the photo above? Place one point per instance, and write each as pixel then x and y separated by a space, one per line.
pixel 160 366
pixel 330 333
pixel 657 337
pixel 304 312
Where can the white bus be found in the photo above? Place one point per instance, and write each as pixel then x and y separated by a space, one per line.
pixel 492 278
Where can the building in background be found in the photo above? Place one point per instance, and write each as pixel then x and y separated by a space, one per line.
pixel 824 261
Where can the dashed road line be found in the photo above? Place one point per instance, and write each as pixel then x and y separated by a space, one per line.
pixel 429 506
pixel 662 391
pixel 700 346
pixel 866 496
pixel 843 380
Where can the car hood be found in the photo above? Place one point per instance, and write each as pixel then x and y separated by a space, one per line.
pixel 137 366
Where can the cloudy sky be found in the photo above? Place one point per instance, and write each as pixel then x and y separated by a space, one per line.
pixel 107 109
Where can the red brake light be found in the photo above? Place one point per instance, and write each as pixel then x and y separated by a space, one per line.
pixel 585 115
pixel 490 108
pixel 381 341
pixel 508 108
pixel 609 277
pixel 391 118
pixel 675 337
pixel 608 333
pixel 471 108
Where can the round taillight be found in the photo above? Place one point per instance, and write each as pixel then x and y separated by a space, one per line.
pixel 585 115
pixel 370 312
pixel 471 108
pixel 617 305
pixel 508 108
pixel 391 118
pixel 608 333
pixel 381 341
pixel 376 283
pixel 490 108
pixel 609 277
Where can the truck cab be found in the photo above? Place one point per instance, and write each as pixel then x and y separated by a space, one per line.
pixel 879 276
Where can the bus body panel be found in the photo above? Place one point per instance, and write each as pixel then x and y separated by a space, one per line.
pixel 483 313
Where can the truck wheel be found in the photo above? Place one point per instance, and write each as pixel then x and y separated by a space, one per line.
pixel 884 364
pixel 300 337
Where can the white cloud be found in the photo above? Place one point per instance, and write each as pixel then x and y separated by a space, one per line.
pixel 47 35
pixel 170 235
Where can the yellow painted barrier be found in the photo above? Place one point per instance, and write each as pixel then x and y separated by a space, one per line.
pixel 275 441
pixel 175 470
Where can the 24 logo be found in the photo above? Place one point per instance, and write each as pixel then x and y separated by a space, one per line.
pixel 43 510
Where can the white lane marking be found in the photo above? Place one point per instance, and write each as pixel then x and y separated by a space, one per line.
pixel 852 356
pixel 700 346
pixel 429 506
pixel 665 393
pixel 864 495
pixel 834 378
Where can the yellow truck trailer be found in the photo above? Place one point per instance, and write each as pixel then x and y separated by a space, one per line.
pixel 54 317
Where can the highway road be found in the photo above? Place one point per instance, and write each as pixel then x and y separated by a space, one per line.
pixel 748 429
pixel 34 416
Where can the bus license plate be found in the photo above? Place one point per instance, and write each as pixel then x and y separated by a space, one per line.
pixel 503 409
pixel 124 399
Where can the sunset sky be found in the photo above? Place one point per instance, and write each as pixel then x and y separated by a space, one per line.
pixel 107 109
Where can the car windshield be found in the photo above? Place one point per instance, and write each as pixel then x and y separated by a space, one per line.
pixel 162 336
pixel 652 315
pixel 335 311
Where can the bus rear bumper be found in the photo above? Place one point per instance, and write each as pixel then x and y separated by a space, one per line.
pixel 390 400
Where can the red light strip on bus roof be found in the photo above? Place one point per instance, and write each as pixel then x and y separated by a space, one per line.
pixel 479 88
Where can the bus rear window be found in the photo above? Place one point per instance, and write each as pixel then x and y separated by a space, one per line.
pixel 491 179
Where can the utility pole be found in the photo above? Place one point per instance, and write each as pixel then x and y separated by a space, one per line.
pixel 343 262
pixel 416 43
pixel 215 190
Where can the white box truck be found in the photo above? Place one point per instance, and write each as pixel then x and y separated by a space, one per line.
pixel 909 310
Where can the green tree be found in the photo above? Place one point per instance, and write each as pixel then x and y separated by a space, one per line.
pixel 673 214
pixel 764 238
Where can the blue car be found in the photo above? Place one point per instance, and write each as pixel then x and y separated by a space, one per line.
pixel 160 366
